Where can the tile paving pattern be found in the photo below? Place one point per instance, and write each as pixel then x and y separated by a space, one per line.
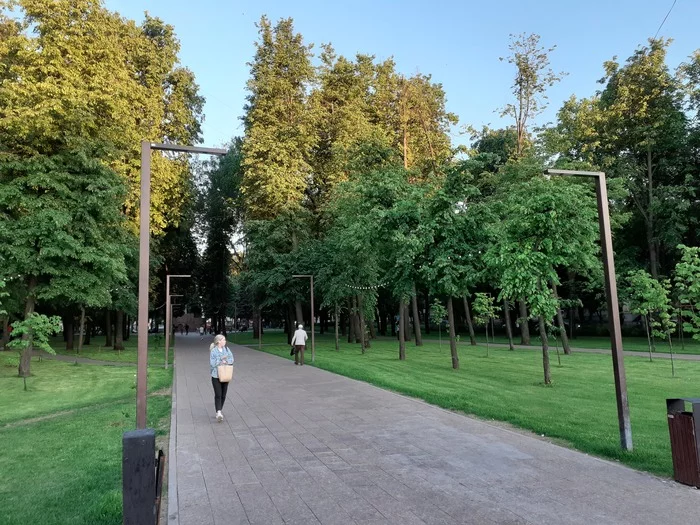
pixel 303 446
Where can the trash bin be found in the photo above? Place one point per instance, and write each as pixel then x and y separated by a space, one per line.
pixel 684 430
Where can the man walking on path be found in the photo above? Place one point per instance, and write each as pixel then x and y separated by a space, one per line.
pixel 299 344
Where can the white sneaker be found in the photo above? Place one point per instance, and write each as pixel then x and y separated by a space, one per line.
pixel 219 416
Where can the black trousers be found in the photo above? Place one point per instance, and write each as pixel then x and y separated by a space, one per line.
pixel 220 390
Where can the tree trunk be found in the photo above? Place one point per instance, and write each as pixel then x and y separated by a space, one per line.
pixel 509 327
pixel 126 332
pixel 299 313
pixel 453 339
pixel 88 330
pixel 470 324
pixel 402 331
pixel 343 323
pixel 416 318
pixel 108 327
pixel 560 322
pixel 524 327
pixel 545 353
pixel 405 315
pixel 572 309
pixel 81 331
pixel 5 332
pixel 68 330
pixel 426 312
pixel 651 242
pixel 322 321
pixel 372 330
pixel 361 321
pixel 119 330
pixel 351 323
pixel 381 324
pixel 337 327
pixel 359 327
pixel 289 321
pixel 26 358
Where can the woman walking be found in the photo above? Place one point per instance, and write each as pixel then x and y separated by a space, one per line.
pixel 219 354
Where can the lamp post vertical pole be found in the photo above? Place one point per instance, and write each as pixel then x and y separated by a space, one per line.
pixel 623 409
pixel 168 318
pixel 313 319
pixel 144 256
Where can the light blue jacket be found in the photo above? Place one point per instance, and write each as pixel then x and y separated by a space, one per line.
pixel 219 356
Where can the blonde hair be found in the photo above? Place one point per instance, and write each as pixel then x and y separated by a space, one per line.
pixel 217 339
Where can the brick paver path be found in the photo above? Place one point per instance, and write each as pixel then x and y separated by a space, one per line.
pixel 301 445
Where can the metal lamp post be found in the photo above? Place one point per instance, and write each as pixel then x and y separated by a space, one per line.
pixel 313 345
pixel 623 409
pixel 169 314
pixel 144 260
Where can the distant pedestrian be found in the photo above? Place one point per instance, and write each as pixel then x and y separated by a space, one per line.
pixel 219 354
pixel 299 344
pixel 187 329
pixel 201 332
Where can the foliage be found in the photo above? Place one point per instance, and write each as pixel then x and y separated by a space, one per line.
pixel 687 283
pixel 648 297
pixel 278 125
pixel 532 78
pixel 60 222
pixel 76 76
pixel 34 332
pixel 438 312
pixel 483 309
pixel 540 230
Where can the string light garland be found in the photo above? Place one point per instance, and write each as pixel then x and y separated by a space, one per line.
pixel 373 287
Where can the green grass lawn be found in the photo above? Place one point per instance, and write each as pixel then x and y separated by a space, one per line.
pixel 637 344
pixel 578 410
pixel 97 349
pixel 61 453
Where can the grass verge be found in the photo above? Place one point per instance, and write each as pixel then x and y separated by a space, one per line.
pixel 60 460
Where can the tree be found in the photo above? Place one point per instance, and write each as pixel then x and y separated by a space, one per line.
pixel 532 78
pixel 453 236
pixel 222 216
pixel 75 74
pixel 484 313
pixel 438 313
pixel 687 283
pixel 645 296
pixel 636 131
pixel 61 231
pixel 33 333
pixel 643 118
pixel 278 125
pixel 539 230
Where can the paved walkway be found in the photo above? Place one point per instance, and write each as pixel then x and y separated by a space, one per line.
pixel 300 445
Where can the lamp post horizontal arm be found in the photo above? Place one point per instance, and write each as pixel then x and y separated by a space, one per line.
pixel 188 149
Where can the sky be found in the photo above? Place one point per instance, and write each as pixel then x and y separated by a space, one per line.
pixel 458 43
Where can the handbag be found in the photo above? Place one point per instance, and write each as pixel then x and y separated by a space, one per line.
pixel 225 373
pixel 291 352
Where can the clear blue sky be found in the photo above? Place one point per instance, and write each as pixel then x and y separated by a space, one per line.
pixel 458 42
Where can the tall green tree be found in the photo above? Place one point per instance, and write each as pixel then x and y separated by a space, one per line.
pixel 532 78
pixel 61 230
pixel 540 230
pixel 278 124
